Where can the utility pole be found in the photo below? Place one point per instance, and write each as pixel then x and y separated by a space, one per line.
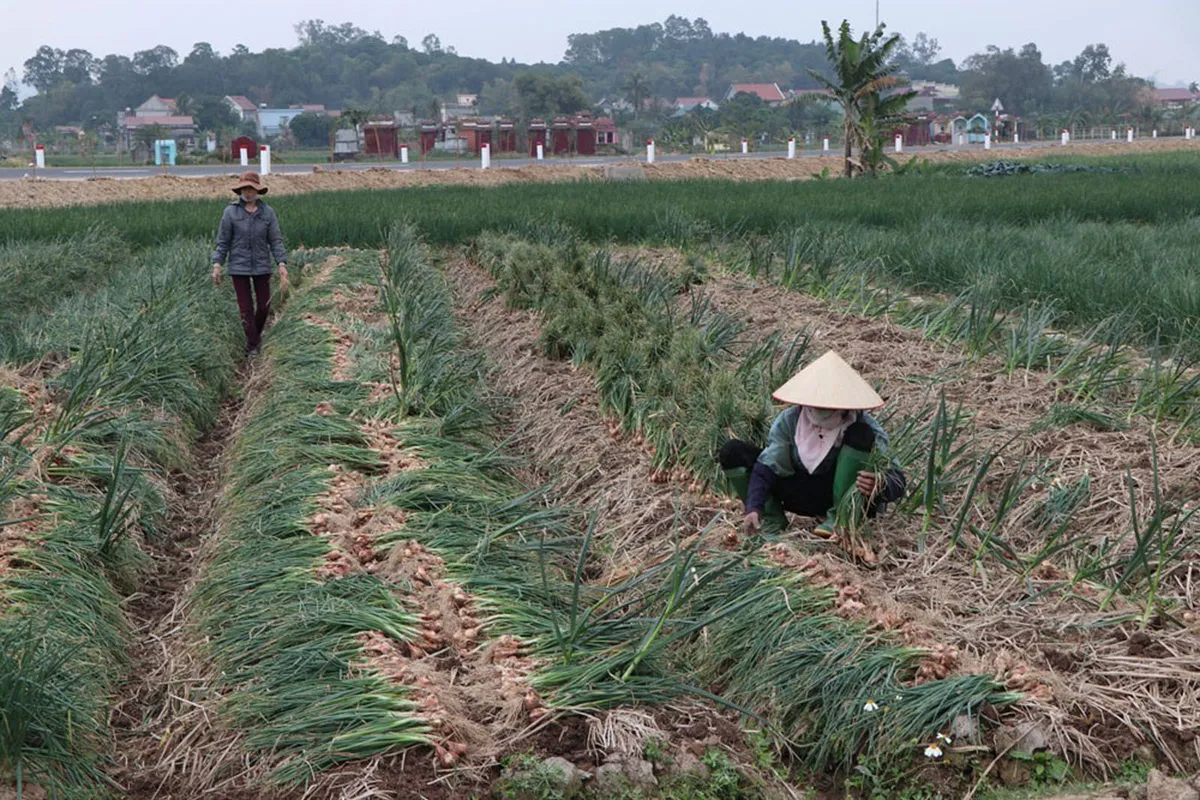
pixel 876 14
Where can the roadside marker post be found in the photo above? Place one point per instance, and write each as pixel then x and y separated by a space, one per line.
pixel 987 141
pixel 1114 135
pixel 899 143
pixel 245 157
pixel 649 151
pixel 1129 136
pixel 403 154
pixel 1016 138
pixel 541 152
pixel 1066 137
pixel 264 159
pixel 825 145
pixel 745 147
pixel 792 147
pixel 39 156
pixel 485 156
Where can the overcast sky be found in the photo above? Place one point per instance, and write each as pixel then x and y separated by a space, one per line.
pixel 1156 38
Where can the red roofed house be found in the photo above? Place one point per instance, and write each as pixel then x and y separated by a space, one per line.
pixel 160 112
pixel 242 107
pixel 1176 98
pixel 156 106
pixel 606 131
pixel 769 93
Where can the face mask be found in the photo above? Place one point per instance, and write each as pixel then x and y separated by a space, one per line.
pixel 824 416
pixel 249 196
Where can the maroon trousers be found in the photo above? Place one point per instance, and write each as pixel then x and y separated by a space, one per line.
pixel 253 319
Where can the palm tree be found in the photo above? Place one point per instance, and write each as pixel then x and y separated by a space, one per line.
pixel 637 88
pixel 863 71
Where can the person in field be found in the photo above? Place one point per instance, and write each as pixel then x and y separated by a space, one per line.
pixel 820 450
pixel 249 237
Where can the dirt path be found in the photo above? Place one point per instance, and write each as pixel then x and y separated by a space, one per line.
pixel 152 699
pixel 35 193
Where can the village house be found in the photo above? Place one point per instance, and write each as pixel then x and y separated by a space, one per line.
pixel 769 93
pixel 686 104
pixel 242 107
pixel 160 114
pixel 1176 98
pixel 270 122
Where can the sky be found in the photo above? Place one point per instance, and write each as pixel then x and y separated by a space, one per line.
pixel 1155 38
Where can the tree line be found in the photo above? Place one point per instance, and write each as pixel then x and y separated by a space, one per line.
pixel 344 66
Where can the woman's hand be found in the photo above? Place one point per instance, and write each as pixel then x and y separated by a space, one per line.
pixel 867 484
pixel 283 278
pixel 216 274
pixel 752 523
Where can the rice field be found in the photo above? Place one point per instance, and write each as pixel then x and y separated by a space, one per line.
pixel 459 530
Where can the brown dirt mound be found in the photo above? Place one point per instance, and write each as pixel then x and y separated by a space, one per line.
pixel 42 193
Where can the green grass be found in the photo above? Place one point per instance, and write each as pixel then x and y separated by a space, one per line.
pixel 1090 245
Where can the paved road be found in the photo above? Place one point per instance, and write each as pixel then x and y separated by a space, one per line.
pixel 81 173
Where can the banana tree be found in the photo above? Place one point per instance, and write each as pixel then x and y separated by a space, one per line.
pixel 864 71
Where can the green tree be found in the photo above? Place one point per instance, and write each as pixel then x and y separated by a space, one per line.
pixel 862 73
pixel 637 89
pixel 311 129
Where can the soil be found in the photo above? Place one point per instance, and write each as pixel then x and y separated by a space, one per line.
pixel 43 193
pixel 144 711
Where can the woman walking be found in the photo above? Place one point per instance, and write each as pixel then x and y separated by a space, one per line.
pixel 249 237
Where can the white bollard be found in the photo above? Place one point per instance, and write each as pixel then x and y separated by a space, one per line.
pixel 1016 138
pixel 825 145
pixel 1154 134
pixel 1129 135
pixel 1066 137
pixel 264 159
pixel 39 157
pixel 899 144
pixel 541 152
pixel 403 154
pixel 1114 136
pixel 245 158
pixel 792 147
pixel 485 156
pixel 987 141
pixel 962 139
pixel 650 151
pixel 745 147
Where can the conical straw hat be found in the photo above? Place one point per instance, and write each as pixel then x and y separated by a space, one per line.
pixel 829 382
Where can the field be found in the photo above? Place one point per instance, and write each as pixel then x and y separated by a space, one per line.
pixel 459 531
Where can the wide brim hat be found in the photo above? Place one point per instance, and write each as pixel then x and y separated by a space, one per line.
pixel 249 180
pixel 829 382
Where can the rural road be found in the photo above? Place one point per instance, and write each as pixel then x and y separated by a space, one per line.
pixel 216 170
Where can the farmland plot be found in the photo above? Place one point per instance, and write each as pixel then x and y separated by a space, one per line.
pixel 463 514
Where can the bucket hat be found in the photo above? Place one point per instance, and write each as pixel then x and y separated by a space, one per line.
pixel 249 180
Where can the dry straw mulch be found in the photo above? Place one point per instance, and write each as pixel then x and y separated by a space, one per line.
pixel 1095 686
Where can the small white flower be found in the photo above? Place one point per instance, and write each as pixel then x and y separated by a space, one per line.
pixel 941 737
pixel 933 751
pixel 870 705
pixel 898 698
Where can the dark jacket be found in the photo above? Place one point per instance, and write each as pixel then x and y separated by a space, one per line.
pixel 249 240
pixel 781 459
